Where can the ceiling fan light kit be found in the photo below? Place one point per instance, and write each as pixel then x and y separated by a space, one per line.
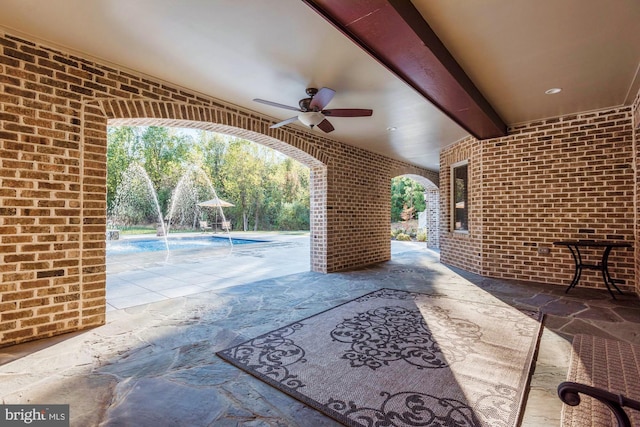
pixel 311 118
pixel 312 111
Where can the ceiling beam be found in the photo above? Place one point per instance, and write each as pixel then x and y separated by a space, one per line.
pixel 395 34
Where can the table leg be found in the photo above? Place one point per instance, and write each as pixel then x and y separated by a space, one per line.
pixel 577 260
pixel 608 280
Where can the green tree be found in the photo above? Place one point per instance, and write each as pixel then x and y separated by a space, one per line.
pixel 272 196
pixel 209 152
pixel 405 193
pixel 270 191
pixel 120 141
pixel 163 153
pixel 242 177
pixel 295 210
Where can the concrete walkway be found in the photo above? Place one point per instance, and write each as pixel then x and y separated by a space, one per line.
pixel 154 364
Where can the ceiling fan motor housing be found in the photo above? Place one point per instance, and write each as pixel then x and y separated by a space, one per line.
pixel 304 104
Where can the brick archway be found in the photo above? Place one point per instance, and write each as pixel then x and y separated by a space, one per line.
pixel 137 112
pixel 217 118
pixel 428 179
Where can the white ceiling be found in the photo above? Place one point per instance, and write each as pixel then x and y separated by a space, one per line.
pixel 514 50
pixel 237 50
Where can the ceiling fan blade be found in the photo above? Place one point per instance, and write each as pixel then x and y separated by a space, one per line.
pixel 284 122
pixel 275 104
pixel 322 98
pixel 325 126
pixel 347 112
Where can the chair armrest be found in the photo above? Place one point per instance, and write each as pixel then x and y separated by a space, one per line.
pixel 569 394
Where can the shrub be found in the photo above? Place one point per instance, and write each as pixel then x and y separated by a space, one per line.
pixel 293 216
pixel 421 236
pixel 403 237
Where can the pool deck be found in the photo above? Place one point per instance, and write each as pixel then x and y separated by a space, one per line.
pixel 146 277
pixel 153 363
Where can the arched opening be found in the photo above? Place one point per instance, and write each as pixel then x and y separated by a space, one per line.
pixel 415 210
pixel 218 118
pixel 190 266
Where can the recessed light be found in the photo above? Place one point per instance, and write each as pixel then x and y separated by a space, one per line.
pixel 553 91
pixel 392 128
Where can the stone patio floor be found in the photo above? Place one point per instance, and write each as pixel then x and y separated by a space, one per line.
pixel 153 363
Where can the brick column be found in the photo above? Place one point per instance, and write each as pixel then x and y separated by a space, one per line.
pixel 318 219
pixel 432 197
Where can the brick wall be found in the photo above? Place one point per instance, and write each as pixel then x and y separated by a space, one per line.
pixel 462 249
pixel 564 178
pixel 636 155
pixel 54 110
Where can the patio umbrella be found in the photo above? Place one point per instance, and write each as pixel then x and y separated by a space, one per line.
pixel 216 203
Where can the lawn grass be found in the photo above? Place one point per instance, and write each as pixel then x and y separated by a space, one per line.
pixel 138 229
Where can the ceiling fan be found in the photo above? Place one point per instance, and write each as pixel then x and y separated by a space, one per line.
pixel 312 111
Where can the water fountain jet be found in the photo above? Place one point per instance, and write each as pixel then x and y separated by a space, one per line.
pixel 188 194
pixel 132 200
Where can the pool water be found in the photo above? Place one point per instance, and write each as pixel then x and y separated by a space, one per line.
pixel 130 246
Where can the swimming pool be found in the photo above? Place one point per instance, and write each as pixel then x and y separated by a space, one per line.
pixel 131 246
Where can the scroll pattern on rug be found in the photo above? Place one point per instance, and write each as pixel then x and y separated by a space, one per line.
pixel 387 334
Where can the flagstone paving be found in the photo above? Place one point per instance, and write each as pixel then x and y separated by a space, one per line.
pixel 153 363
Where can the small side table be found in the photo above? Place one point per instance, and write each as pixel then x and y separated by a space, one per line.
pixel 575 245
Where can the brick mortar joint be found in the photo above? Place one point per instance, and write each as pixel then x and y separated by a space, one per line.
pixel 526 127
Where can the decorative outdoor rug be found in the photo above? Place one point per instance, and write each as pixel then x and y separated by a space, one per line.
pixel 397 358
